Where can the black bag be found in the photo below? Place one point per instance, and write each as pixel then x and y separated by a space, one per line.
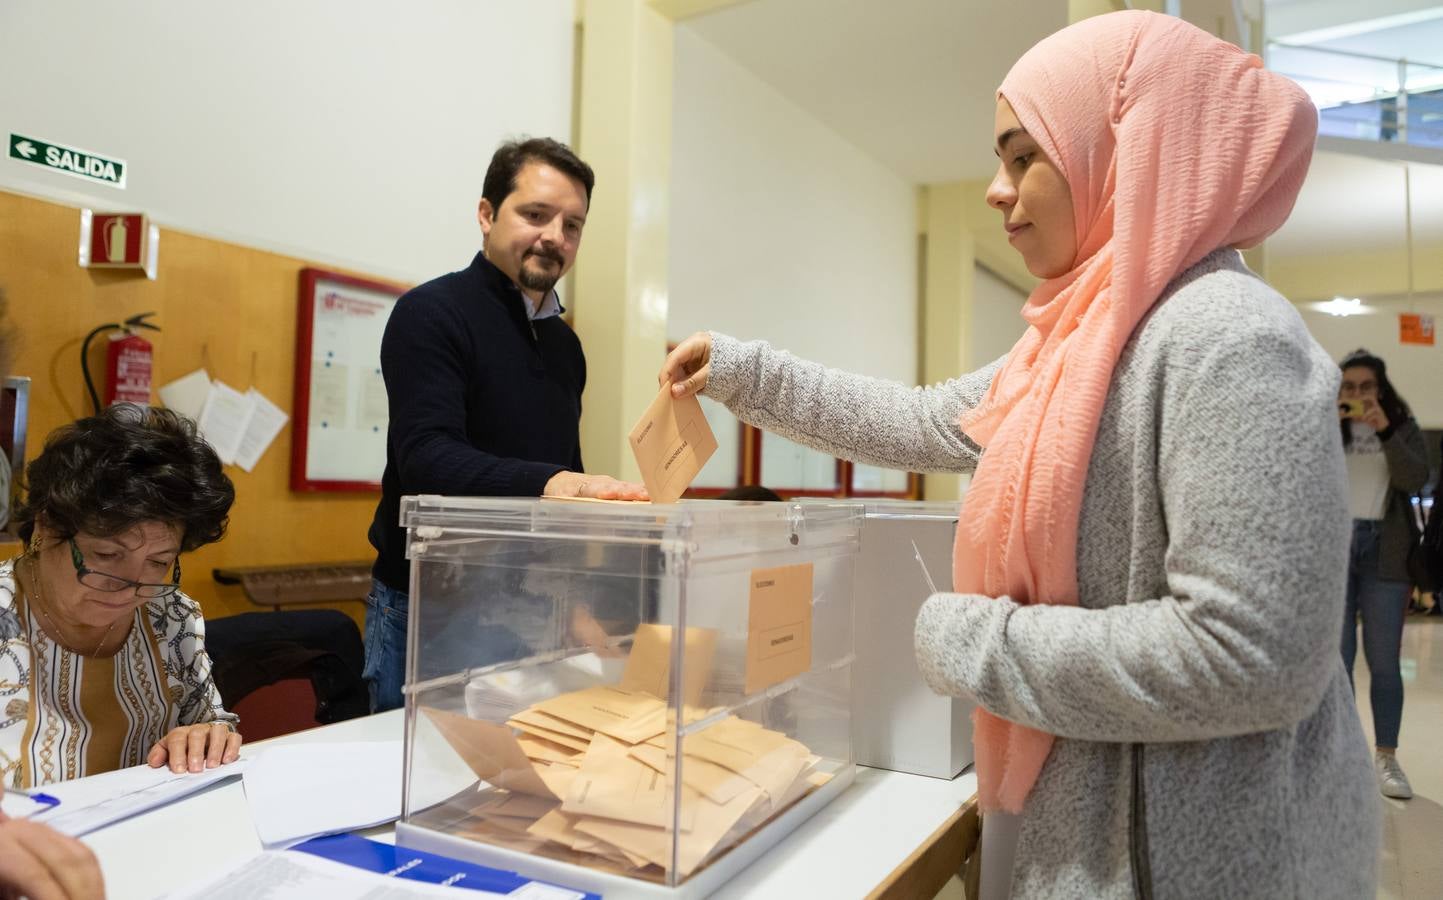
pixel 1425 556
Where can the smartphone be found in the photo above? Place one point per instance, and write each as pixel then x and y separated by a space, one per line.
pixel 1351 409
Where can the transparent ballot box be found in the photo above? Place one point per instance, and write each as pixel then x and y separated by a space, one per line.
pixel 898 723
pixel 630 699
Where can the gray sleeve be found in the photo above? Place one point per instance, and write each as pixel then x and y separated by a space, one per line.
pixel 868 420
pixel 1407 458
pixel 1256 555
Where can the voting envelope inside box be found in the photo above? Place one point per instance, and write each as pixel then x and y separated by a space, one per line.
pixel 631 689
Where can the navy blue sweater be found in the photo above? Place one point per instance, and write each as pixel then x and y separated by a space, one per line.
pixel 484 402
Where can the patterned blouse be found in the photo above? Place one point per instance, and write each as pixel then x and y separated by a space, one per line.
pixel 65 716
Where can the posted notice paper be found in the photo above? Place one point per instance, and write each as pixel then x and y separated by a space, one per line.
pixel 224 420
pixel 671 442
pixel 265 423
pixel 187 394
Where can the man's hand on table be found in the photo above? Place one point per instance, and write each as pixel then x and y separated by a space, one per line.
pixel 595 487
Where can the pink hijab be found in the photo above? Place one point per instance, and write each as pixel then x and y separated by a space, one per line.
pixel 1174 143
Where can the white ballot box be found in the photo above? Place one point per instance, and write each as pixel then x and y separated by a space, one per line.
pixel 632 699
pixel 898 723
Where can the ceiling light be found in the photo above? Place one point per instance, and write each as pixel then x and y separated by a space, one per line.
pixel 1362 26
pixel 1342 306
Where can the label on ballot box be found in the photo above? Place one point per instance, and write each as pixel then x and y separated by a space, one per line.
pixel 779 630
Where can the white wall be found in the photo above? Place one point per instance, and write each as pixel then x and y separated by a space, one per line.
pixel 996 317
pixel 1415 370
pixel 355 132
pixel 780 229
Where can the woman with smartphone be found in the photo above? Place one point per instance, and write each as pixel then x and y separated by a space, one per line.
pixel 1387 463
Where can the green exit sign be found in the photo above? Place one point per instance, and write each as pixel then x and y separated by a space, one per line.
pixel 69 160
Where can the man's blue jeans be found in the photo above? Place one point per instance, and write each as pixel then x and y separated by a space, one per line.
pixel 457 638
pixel 1382 604
pixel 386 613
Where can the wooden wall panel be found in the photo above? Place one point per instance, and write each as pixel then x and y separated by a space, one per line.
pixel 228 308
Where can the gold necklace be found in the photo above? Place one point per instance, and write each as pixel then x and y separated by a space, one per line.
pixel 35 588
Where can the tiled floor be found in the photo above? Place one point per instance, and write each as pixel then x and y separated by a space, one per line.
pixel 1412 861
pixel 1412 852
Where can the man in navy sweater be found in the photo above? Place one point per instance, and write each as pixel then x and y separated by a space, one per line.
pixel 484 379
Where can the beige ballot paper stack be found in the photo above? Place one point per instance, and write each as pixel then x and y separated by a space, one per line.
pixel 592 773
pixel 671 442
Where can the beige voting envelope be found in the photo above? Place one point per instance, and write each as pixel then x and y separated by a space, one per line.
pixel 542 750
pixel 648 667
pixel 714 782
pixel 671 443
pixel 735 744
pixel 551 723
pixel 577 745
pixel 585 843
pixel 713 822
pixel 492 752
pixel 779 625
pixel 613 785
pixel 556 826
pixel 514 806
pixel 779 771
pixel 557 778
pixel 628 716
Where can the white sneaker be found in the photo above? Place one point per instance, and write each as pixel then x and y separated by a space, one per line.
pixel 1391 780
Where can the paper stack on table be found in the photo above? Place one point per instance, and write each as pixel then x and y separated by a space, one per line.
pixel 87 804
pixel 594 770
pixel 300 791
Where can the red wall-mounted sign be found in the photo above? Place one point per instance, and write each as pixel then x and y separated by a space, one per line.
pixel 116 239
pixel 119 240
pixel 1415 329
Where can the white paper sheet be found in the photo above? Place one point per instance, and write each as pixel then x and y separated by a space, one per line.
pixel 301 791
pixel 266 422
pixel 279 875
pixel 224 419
pixel 87 804
pixel 187 394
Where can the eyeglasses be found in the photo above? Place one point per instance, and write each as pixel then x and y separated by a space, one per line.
pixel 112 583
pixel 1362 387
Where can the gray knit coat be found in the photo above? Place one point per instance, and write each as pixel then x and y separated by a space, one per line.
pixel 1207 740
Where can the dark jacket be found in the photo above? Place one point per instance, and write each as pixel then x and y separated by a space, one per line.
pixel 484 402
pixel 1407 474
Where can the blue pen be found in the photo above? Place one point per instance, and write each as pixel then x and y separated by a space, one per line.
pixel 37 796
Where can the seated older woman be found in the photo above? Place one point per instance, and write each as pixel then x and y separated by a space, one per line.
pixel 102 658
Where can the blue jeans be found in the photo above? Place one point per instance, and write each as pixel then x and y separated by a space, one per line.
pixel 457 637
pixel 1382 604
pixel 385 672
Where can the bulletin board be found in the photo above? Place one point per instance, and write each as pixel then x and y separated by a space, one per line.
pixel 341 412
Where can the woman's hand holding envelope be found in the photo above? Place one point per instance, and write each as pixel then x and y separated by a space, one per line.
pixel 688 367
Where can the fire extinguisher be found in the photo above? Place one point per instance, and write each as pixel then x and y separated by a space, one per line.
pixel 128 362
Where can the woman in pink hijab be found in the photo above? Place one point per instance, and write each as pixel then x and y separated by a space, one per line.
pixel 1152 553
